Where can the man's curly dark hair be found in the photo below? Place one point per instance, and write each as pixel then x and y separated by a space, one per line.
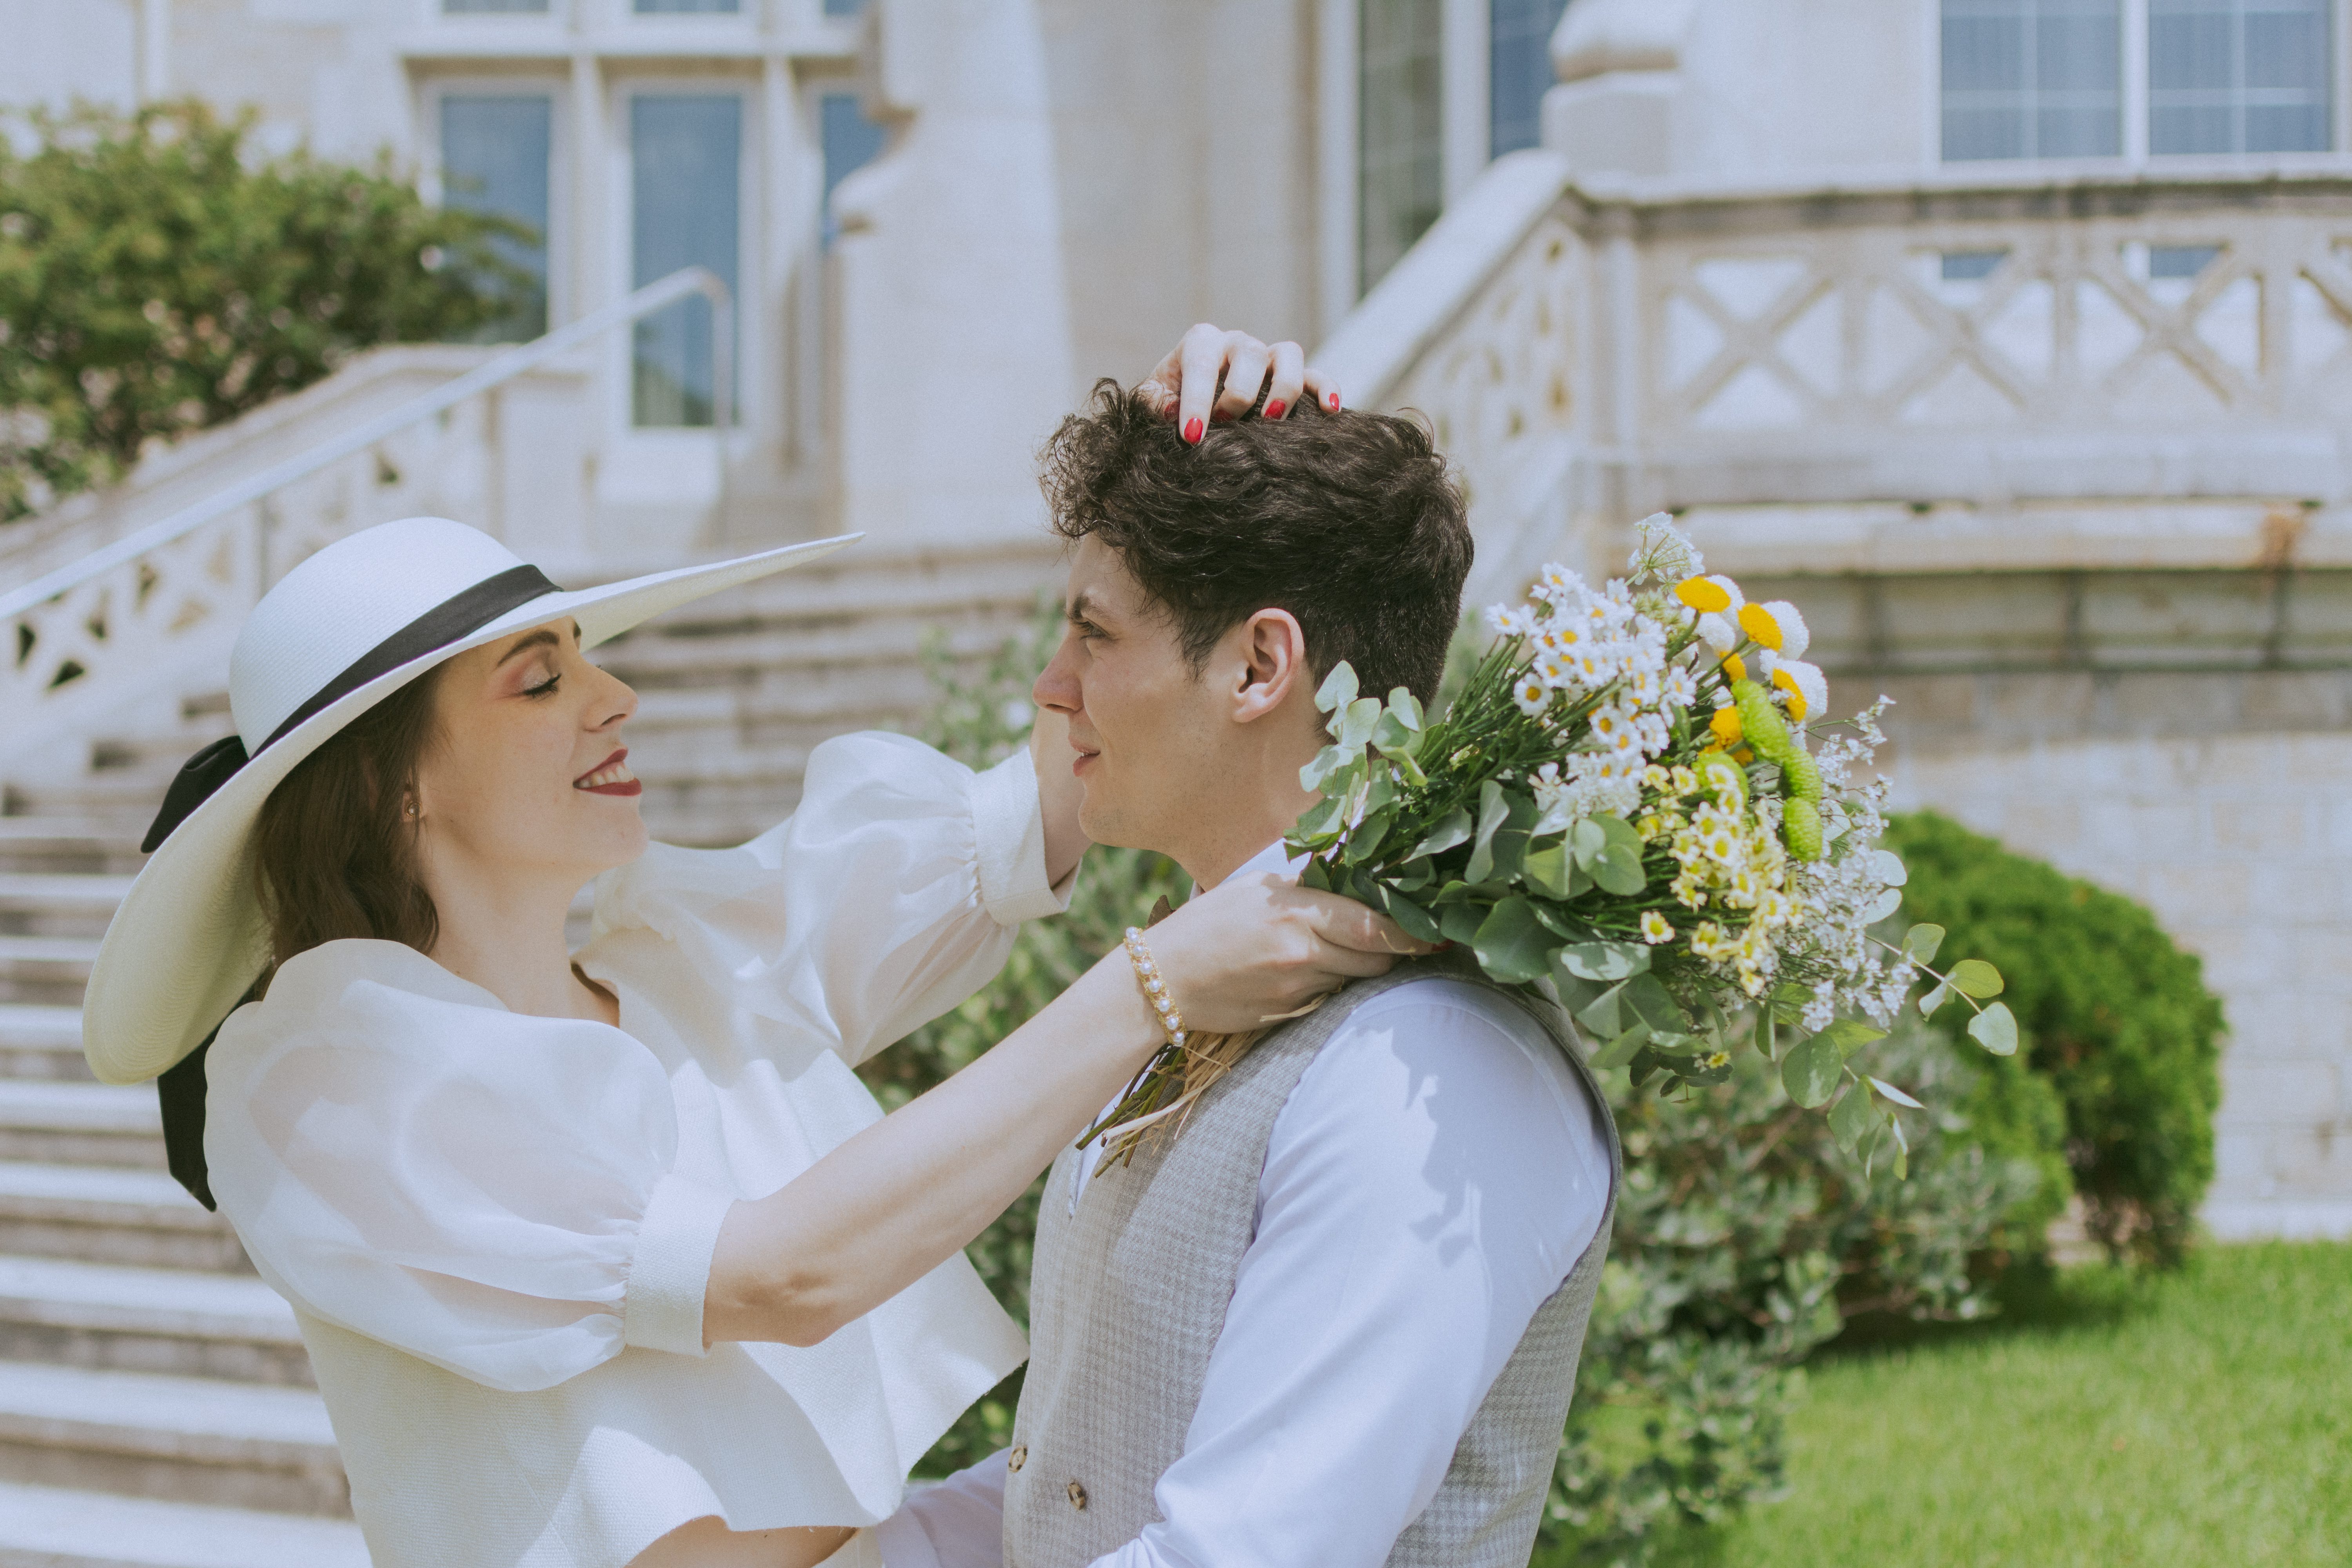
pixel 1348 520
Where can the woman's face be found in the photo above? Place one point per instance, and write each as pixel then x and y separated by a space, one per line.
pixel 527 775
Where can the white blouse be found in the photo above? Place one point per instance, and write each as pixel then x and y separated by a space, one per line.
pixel 496 1229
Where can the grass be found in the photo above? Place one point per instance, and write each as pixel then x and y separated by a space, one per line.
pixel 2200 1418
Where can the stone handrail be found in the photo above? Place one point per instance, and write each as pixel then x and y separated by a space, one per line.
pixel 529 356
pixel 1962 348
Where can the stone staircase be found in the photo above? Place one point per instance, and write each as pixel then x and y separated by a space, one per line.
pixel 156 1406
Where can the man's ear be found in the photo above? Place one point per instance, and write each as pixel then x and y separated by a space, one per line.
pixel 1273 655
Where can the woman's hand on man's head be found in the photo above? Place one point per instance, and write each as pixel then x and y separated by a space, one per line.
pixel 1212 376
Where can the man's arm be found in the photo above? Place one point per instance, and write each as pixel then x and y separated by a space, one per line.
pixel 1432 1181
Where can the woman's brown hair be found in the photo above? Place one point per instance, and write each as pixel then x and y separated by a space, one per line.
pixel 334 850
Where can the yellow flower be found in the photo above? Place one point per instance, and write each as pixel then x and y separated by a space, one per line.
pixel 1702 594
pixel 1761 628
pixel 1655 928
pixel 1735 665
pixel 1788 683
pixel 1725 726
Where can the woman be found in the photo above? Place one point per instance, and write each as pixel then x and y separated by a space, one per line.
pixel 607 1257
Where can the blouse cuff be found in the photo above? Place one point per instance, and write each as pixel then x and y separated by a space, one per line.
pixel 662 1309
pixel 1010 830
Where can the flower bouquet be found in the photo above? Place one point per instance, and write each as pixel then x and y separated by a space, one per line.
pixel 1624 809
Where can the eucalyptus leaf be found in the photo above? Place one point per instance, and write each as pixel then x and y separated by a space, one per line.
pixel 1494 810
pixel 1460 922
pixel 1337 690
pixel 1811 1072
pixel 1854 1118
pixel 1995 1030
pixel 1454 828
pixel 1920 943
pixel 1622 1049
pixel 1586 840
pixel 1618 870
pixel 1605 960
pixel 1888 867
pixel 1653 1004
pixel 1849 1033
pixel 1512 945
pixel 1618 833
pixel 1393 737
pixel 1895 1094
pixel 1414 874
pixel 1323 818
pixel 1327 760
pixel 1935 998
pixel 1889 899
pixel 1406 707
pixel 1417 921
pixel 1362 716
pixel 1974 977
pixel 1364 839
pixel 1549 870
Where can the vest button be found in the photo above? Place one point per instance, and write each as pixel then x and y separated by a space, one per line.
pixel 1078 1497
pixel 1018 1458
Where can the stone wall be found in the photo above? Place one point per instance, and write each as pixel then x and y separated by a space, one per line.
pixel 2222 802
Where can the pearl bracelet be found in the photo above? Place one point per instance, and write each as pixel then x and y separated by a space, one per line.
pixel 1155 990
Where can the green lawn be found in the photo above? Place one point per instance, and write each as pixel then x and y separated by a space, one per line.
pixel 2204 1418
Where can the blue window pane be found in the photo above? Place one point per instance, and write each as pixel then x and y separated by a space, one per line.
pixel 686 174
pixel 2032 79
pixel 1400 174
pixel 682 7
pixel 2180 260
pixel 1971 266
pixel 850 141
pixel 494 159
pixel 2240 76
pixel 843 7
pixel 1519 70
pixel 480 7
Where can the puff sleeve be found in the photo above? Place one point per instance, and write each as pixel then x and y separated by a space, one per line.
pixel 492 1193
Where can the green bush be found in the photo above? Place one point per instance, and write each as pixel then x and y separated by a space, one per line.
pixel 156 277
pixel 2115 1016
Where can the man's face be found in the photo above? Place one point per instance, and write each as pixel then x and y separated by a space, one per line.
pixel 1148 730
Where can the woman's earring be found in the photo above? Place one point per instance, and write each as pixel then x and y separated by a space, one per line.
pixel 411 811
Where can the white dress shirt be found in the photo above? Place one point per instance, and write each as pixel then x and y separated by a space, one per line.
pixel 495 1228
pixel 1428 1185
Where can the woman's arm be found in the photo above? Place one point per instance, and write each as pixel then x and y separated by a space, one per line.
pixel 901 1198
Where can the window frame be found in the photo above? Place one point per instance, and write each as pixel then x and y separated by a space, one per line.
pixel 2136 102
pixel 561 236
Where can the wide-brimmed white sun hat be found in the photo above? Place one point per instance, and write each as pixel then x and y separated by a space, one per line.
pixel 339 634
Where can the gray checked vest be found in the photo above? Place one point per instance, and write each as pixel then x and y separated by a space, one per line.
pixel 1128 1298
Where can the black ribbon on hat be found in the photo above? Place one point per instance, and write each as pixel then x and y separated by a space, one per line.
pixel 181 1088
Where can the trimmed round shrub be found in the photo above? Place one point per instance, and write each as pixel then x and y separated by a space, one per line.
pixel 2109 1011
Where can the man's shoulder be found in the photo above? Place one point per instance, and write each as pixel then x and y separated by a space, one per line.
pixel 1444 1036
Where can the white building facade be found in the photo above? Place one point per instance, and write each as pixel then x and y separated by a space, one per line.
pixel 2017 333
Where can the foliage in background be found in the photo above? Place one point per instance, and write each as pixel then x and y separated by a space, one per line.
pixel 981 720
pixel 1745 1238
pixel 2112 1015
pixel 157 277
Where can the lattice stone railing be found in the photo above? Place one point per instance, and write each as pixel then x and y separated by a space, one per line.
pixel 1588 355
pixel 147 614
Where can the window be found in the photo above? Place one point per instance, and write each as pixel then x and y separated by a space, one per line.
pixel 850 141
pixel 2238 76
pixel 686 7
pixel 843 7
pixel 2032 79
pixel 1400 137
pixel 686 180
pixel 1519 70
pixel 488 7
pixel 494 159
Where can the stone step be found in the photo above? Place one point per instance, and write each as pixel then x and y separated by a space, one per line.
pixel 115 1316
pixel 41 1042
pixel 831 650
pixel 51 970
pixel 64 844
pixel 48 1122
pixel 57 1527
pixel 106 1214
pixel 78 891
pixel 183 1439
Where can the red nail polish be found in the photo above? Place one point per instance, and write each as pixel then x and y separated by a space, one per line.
pixel 1274 410
pixel 1335 402
pixel 1193 432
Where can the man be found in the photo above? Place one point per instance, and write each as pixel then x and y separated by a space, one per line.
pixel 1334 1320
